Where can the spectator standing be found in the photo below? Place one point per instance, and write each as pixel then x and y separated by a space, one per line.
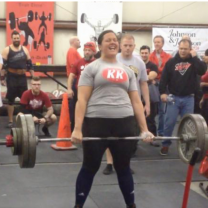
pixel 72 58
pixel 16 61
pixel 159 57
pixel 204 87
pixel 180 77
pixel 77 69
pixel 152 72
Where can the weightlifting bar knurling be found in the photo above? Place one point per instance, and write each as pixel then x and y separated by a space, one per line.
pixel 4 142
pixel 110 138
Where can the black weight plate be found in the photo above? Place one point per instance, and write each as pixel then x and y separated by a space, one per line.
pixel 31 141
pixel 23 157
pixel 30 16
pixel 193 125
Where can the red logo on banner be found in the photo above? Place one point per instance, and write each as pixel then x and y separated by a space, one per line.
pixel 115 75
pixel 35 23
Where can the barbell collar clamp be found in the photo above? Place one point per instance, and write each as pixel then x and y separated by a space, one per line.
pixel 9 141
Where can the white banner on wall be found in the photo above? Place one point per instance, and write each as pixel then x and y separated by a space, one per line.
pixel 95 17
pixel 172 36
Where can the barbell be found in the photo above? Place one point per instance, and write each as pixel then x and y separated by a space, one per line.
pixel 192 133
pixel 36 44
pixel 12 19
pixel 49 16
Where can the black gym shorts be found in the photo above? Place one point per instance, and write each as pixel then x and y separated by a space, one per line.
pixel 109 127
pixel 16 85
pixel 121 150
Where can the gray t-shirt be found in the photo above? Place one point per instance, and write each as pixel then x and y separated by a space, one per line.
pixel 137 65
pixel 111 83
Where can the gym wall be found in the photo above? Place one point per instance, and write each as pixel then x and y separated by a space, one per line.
pixel 134 12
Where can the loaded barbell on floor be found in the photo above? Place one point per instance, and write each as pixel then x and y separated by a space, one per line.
pixel 192 133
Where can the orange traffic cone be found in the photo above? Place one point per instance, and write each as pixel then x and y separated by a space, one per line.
pixel 64 129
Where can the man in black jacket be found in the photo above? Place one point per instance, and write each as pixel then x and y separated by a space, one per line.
pixel 180 77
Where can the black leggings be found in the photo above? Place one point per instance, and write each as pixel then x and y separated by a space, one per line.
pixel 93 152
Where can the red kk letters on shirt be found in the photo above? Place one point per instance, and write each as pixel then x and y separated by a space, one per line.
pixel 115 75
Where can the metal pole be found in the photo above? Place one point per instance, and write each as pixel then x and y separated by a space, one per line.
pixel 55 80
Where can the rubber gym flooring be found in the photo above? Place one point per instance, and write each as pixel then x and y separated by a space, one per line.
pixel 159 181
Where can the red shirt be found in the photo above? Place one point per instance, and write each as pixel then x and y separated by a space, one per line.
pixel 204 78
pixel 35 102
pixel 72 57
pixel 164 58
pixel 79 67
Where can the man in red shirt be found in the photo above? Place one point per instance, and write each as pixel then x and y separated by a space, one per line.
pixel 204 87
pixel 33 101
pixel 71 59
pixel 89 52
pixel 76 70
pixel 159 57
pixel 72 55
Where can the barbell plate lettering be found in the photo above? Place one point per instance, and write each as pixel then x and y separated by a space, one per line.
pixel 31 141
pixel 194 126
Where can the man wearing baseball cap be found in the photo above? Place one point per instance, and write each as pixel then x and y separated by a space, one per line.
pixel 76 70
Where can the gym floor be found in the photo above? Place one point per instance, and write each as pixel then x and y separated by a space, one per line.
pixel 159 181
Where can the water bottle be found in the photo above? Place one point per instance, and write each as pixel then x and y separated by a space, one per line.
pixel 170 99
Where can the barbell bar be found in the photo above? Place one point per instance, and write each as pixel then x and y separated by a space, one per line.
pixel 192 133
pixel 111 138
pixel 5 142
